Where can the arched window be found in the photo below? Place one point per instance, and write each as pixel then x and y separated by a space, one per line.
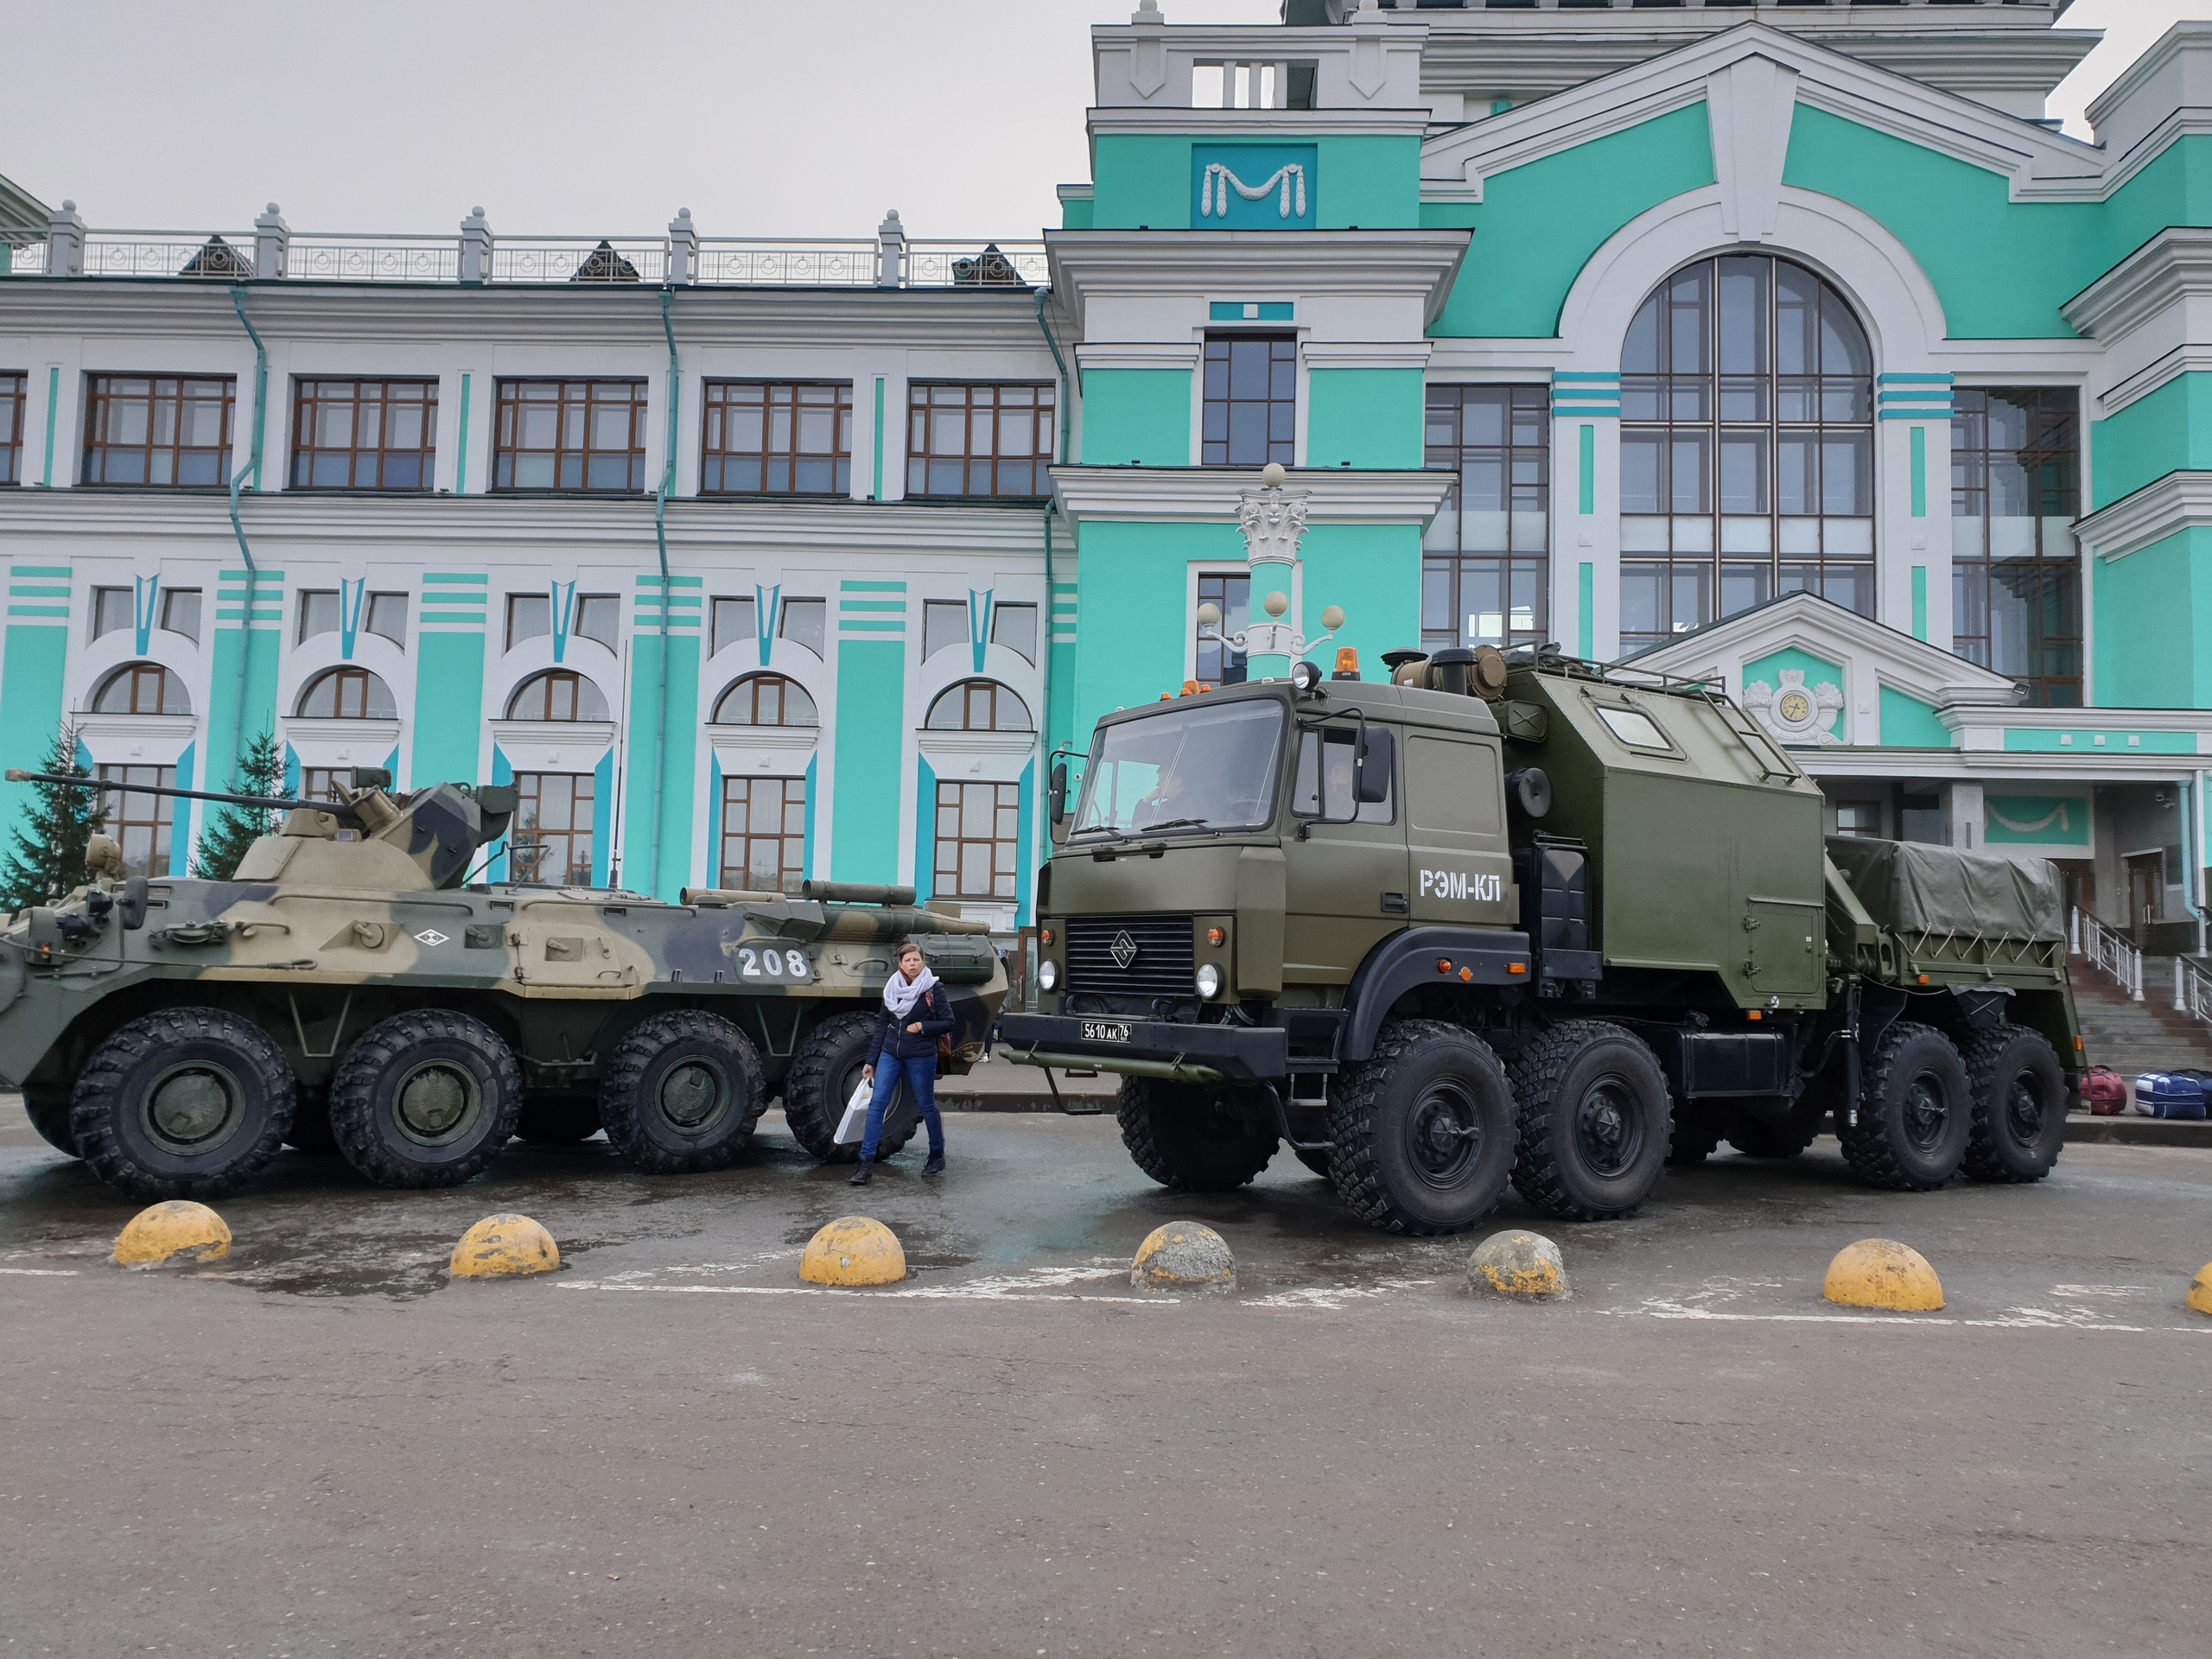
pixel 765 700
pixel 347 694
pixel 978 706
pixel 1747 446
pixel 557 694
pixel 141 689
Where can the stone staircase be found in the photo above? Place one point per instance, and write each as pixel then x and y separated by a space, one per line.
pixel 2133 1036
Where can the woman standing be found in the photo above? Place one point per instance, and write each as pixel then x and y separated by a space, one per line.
pixel 916 1012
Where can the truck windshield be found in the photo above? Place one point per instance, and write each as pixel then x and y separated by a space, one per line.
pixel 1193 765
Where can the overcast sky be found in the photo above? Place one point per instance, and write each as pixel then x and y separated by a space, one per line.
pixel 766 117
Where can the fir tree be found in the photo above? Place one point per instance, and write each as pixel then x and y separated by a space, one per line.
pixel 48 861
pixel 229 830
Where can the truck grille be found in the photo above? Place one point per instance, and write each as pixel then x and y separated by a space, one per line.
pixel 1156 950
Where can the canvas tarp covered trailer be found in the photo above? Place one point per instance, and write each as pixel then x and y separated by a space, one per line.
pixel 1914 888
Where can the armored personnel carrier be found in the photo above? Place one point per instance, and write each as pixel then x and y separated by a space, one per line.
pixel 351 986
pixel 1530 920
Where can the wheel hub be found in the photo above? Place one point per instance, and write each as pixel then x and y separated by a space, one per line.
pixel 436 1102
pixel 692 1095
pixel 1606 1128
pixel 2024 1111
pixel 1926 1114
pixel 1443 1137
pixel 192 1109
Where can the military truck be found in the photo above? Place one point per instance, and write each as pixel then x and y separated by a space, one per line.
pixel 1532 920
pixel 351 987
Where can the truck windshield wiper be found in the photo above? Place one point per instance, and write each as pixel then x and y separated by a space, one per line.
pixel 1172 824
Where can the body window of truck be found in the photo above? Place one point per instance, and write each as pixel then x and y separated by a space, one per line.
pixel 1189 766
pixel 1635 727
pixel 1323 787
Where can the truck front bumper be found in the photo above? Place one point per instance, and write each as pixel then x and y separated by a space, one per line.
pixel 1153 1048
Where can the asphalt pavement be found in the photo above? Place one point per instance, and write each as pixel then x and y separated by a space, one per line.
pixel 320 1444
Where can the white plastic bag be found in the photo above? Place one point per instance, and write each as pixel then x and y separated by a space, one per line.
pixel 853 1124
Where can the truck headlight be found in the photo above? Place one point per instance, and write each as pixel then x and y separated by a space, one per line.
pixel 1209 980
pixel 1048 975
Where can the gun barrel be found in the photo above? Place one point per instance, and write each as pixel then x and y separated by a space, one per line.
pixel 270 803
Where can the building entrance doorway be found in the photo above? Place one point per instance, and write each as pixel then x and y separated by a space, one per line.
pixel 2146 890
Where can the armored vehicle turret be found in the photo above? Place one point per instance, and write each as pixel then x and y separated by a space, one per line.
pixel 356 984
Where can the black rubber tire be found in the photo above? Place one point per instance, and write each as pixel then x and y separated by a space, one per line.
pixel 1693 1135
pixel 1776 1135
pixel 822 1078
pixel 1314 1158
pixel 310 1131
pixel 112 1109
pixel 47 1108
pixel 2020 1105
pixel 366 1099
pixel 1915 1112
pixel 1190 1137
pixel 670 1067
pixel 1424 1130
pixel 557 1120
pixel 1594 1116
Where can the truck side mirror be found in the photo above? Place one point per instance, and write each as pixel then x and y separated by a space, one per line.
pixel 1532 791
pixel 1059 791
pixel 1372 765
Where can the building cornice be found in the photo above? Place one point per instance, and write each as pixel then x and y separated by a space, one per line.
pixel 1227 126
pixel 1310 263
pixel 2165 507
pixel 2174 265
pixel 1213 494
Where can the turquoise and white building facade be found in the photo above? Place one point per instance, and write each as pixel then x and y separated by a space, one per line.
pixel 1784 345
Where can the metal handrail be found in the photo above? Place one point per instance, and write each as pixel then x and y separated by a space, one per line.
pixel 2109 951
pixel 2192 990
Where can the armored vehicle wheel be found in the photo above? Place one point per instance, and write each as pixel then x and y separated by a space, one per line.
pixel 1423 1130
pixel 47 1109
pixel 182 1104
pixel 2020 1105
pixel 1314 1158
pixel 1191 1137
pixel 1778 1135
pixel 310 1131
pixel 682 1093
pixel 822 1077
pixel 557 1120
pixel 1693 1136
pixel 425 1099
pixel 1915 1112
pixel 1593 1122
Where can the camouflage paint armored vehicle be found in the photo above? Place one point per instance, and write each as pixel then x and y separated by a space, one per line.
pixel 350 986
pixel 1531 919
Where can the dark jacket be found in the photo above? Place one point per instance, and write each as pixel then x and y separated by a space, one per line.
pixel 934 1011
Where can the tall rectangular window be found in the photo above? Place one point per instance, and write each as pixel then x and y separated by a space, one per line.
pixel 971 440
pixel 364 435
pixel 318 612
pixel 114 609
pixel 763 833
pixel 978 836
pixel 1220 664
pixel 765 437
pixel 2016 570
pixel 142 823
pixel 733 624
pixel 1251 400
pixel 1486 565
pixel 549 839
pixel 180 611
pixel 570 435
pixel 11 428
pixel 158 429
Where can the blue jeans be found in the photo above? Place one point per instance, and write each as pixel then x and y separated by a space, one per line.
pixel 921 1080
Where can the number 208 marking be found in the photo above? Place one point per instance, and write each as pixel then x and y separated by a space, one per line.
pixel 773 964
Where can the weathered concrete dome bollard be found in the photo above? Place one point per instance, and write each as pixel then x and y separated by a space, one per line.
pixel 1183 1256
pixel 853 1250
pixel 179 1231
pixel 1525 1267
pixel 502 1246
pixel 1882 1272
pixel 2200 1289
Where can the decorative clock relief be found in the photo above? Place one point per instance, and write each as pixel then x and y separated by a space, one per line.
pixel 1796 713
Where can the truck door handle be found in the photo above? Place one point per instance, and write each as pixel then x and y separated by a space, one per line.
pixel 1394 904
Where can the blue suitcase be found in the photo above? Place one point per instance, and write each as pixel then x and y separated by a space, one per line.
pixel 2170 1094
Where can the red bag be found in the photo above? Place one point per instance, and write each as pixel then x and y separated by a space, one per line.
pixel 2106 1091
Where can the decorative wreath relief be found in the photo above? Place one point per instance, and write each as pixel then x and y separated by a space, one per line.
pixel 1213 194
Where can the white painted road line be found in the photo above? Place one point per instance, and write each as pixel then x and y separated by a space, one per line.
pixel 41 1272
pixel 938 1293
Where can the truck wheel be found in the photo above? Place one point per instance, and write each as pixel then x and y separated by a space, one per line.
pixel 182 1104
pixel 822 1077
pixel 47 1108
pixel 425 1099
pixel 1190 1137
pixel 1314 1158
pixel 2020 1105
pixel 1915 1112
pixel 1693 1136
pixel 682 1093
pixel 1423 1131
pixel 557 1120
pixel 1593 1122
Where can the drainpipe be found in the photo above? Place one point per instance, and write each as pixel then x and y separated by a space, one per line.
pixel 1052 597
pixel 660 540
pixel 252 466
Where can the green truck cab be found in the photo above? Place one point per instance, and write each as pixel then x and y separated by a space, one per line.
pixel 1525 919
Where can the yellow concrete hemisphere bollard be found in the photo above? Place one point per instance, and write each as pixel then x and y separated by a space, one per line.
pixel 2200 1289
pixel 1524 1266
pixel 501 1246
pixel 1882 1272
pixel 853 1250
pixel 1183 1256
pixel 177 1231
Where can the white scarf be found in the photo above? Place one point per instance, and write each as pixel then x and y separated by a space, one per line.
pixel 901 994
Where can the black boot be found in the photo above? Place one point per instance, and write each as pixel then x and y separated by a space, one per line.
pixel 864 1174
pixel 936 1165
